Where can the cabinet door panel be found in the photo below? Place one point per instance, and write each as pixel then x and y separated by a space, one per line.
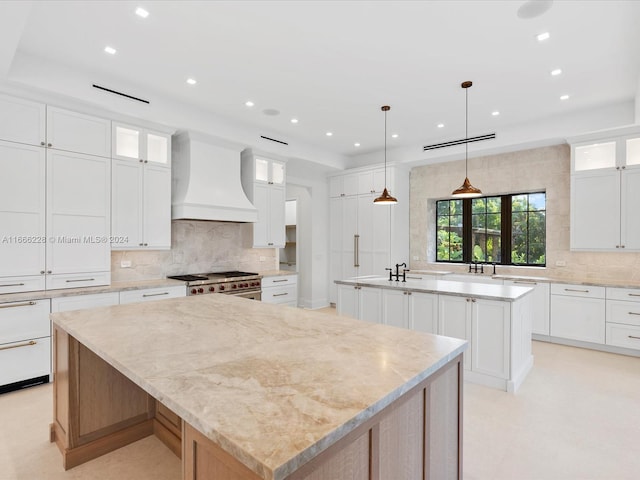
pixel 630 209
pixel 157 207
pixel 370 304
pixel 158 148
pixel 24 320
pixel 578 318
pixel 126 218
pixel 348 299
pixel 454 321
pixel 490 332
pixel 595 211
pixel 423 312
pixel 22 209
pixel 21 120
pixel 394 308
pixel 261 227
pixel 276 222
pixel 76 132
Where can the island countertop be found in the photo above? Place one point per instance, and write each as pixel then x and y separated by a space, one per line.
pixel 272 386
pixel 463 289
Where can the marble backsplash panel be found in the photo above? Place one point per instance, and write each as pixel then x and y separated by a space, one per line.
pixel 196 247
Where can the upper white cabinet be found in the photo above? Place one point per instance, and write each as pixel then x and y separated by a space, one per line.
pixel 22 121
pixel 366 238
pixel 605 183
pixel 141 145
pixel 141 189
pixel 77 132
pixel 263 181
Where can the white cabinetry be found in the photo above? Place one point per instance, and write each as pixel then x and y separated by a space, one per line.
pixel 363 303
pixel 263 180
pixel 605 191
pixel 151 294
pixel 25 342
pixel 366 238
pixel 80 302
pixel 22 121
pixel 76 132
pixel 139 144
pixel 578 312
pixel 623 318
pixel 540 313
pixel 415 310
pixel 280 289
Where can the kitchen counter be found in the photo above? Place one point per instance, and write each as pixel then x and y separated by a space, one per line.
pixel 69 292
pixel 273 388
pixel 461 289
pixel 276 273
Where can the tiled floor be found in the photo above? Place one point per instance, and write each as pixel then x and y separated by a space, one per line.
pixel 576 417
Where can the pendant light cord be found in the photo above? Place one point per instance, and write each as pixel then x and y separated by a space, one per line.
pixel 385 149
pixel 466 133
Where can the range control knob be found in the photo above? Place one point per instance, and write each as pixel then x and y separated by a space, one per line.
pixel 212 289
pixel 193 291
pixel 234 286
pixel 201 290
pixel 221 287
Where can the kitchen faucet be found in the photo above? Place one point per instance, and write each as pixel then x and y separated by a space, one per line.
pixel 397 274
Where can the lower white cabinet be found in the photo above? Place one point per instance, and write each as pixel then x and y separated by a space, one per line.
pixel 414 310
pixel 79 302
pixel 280 289
pixel 150 294
pixel 623 318
pixel 25 341
pixel 454 320
pixel 363 303
pixel 578 312
pixel 540 314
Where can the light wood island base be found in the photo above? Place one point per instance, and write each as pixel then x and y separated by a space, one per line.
pixel 97 410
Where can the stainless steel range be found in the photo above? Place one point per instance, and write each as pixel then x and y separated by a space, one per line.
pixel 241 284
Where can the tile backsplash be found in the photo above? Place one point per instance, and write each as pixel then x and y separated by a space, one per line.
pixel 196 247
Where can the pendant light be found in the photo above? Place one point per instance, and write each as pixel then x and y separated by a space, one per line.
pixel 466 190
pixel 385 198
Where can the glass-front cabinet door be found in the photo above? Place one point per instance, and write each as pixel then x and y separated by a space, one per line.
pixel 139 144
pixel 269 171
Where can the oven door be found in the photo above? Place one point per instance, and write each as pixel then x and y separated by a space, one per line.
pixel 255 295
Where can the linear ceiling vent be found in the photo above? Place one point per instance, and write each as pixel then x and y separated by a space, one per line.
pixel 105 89
pixel 462 141
pixel 274 140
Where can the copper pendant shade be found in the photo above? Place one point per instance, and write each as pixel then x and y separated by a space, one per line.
pixel 466 190
pixel 385 198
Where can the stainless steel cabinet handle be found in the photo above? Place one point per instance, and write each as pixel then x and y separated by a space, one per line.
pixel 26 344
pixel 13 284
pixel 42 143
pixel 408 293
pixel 356 252
pixel 154 294
pixel 284 280
pixel 23 304
pixel 81 280
pixel 631 336
pixel 414 278
pixel 49 272
pixel 49 145
pixel 473 300
pixel 525 282
pixel 634 294
pixel 280 294
pixel 634 313
pixel 575 290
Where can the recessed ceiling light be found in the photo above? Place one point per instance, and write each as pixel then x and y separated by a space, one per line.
pixel 249 103
pixel 328 134
pixel 555 72
pixel 110 50
pixel 441 125
pixel 356 144
pixel 564 97
pixel 141 12
pixel 495 113
pixel 395 135
pixel 191 81
pixel 541 37
pixel 294 120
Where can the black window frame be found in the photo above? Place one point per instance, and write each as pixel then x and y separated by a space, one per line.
pixel 505 234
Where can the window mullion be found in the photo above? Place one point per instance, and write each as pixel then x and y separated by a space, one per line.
pixel 467 248
pixel 505 234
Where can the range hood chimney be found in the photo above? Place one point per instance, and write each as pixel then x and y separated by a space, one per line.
pixel 206 181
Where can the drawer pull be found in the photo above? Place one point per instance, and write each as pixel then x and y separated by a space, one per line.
pixel 525 282
pixel 277 281
pixel 12 285
pixel 27 344
pixel 144 295
pixel 414 278
pixel 23 304
pixel 631 336
pixel 81 280
pixel 634 294
pixel 575 290
pixel 280 294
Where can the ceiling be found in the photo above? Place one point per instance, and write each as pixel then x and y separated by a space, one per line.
pixel 333 64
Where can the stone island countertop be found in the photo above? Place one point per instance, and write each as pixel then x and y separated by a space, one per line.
pixel 272 386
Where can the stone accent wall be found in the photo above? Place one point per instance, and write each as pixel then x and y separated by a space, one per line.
pixel 196 247
pixel 546 168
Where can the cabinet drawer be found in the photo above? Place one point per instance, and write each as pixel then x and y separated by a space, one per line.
pixel 627 313
pixel 79 302
pixel 76 280
pixel 627 336
pixel 23 360
pixel 285 294
pixel 628 294
pixel 21 284
pixel 577 290
pixel 24 320
pixel 278 281
pixel 150 294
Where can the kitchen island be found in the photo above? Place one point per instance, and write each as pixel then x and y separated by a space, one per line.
pixel 244 390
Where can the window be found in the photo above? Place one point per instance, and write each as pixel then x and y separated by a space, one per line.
pixel 506 229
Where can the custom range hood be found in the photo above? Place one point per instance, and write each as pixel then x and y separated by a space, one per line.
pixel 206 181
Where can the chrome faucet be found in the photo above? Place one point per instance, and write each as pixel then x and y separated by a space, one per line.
pixel 397 274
